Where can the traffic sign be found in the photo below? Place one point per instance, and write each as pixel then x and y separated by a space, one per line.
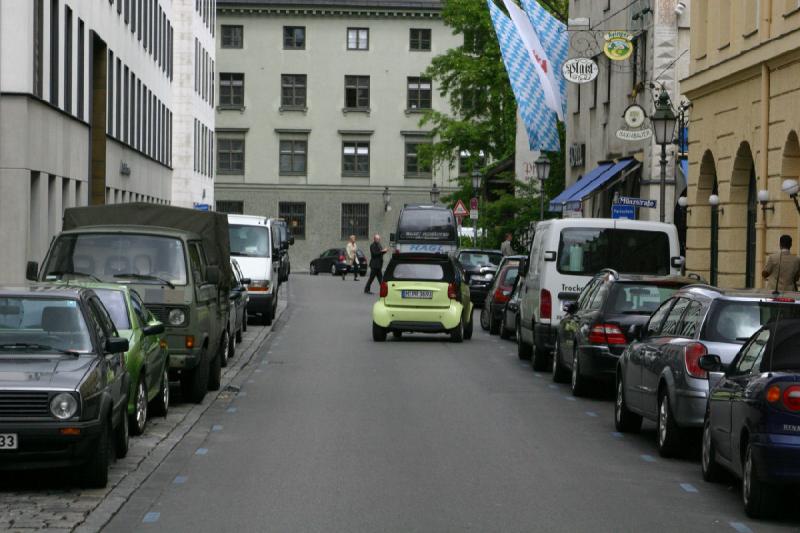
pixel 473 204
pixel 473 214
pixel 623 211
pixel 460 210
pixel 637 202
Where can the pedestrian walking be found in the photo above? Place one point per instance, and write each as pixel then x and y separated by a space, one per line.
pixel 376 252
pixel 351 251
pixel 782 269
pixel 506 248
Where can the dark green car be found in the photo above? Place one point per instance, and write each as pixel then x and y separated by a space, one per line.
pixel 147 358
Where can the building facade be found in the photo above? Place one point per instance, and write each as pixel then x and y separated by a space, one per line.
pixel 660 31
pixel 744 85
pixel 318 111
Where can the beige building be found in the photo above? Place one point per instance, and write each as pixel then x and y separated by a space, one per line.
pixel 744 84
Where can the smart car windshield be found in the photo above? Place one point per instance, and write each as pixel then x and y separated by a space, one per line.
pixel 42 325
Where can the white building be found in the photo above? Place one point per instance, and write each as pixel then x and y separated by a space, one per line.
pixel 318 111
pixel 87 111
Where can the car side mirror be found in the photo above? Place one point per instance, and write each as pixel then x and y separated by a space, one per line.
pixel 156 328
pixel 550 256
pixel 246 281
pixel 635 331
pixel 32 271
pixel 213 275
pixel 570 307
pixel 711 363
pixel 116 345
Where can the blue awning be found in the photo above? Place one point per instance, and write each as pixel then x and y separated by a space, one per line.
pixel 685 173
pixel 557 203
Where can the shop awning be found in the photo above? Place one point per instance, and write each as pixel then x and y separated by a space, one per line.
pixel 557 203
pixel 607 172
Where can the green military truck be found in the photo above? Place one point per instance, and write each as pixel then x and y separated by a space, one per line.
pixel 177 259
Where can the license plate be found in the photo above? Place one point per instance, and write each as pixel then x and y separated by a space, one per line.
pixel 8 441
pixel 420 295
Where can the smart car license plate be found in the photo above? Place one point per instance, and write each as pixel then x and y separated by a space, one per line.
pixel 419 295
pixel 8 441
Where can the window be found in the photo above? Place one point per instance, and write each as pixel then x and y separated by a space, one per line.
pixel 232 36
pixel 54 52
pixel 673 319
pixel 293 90
pixel 414 169
pixel 294 213
pixel 293 156
pixel 357 39
pixel 38 47
pixel 691 320
pixel 230 156
pixel 125 104
pixel 636 298
pixel 355 220
pixel 420 40
pixel 67 59
pixel 750 357
pixel 230 206
pixel 356 92
pixel 231 89
pixel 118 100
pixel 584 251
pixel 419 93
pixel 654 324
pixel 81 68
pixel 294 37
pixel 355 158
pixel 139 309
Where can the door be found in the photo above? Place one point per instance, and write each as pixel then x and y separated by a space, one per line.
pixel 529 294
pixel 658 354
pixel 150 347
pixel 114 364
pixel 633 368
pixel 575 329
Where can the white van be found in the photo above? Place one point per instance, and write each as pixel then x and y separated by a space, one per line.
pixel 253 247
pixel 564 256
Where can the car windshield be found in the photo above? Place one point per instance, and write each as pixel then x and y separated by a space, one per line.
pixel 736 321
pixel 42 325
pixel 479 259
pixel 638 298
pixel 585 251
pixel 426 225
pixel 114 302
pixel 113 256
pixel 249 241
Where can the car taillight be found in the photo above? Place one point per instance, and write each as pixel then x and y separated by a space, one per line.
pixel 501 296
pixel 452 291
pixel 545 304
pixel 784 299
pixel 341 258
pixel 791 398
pixel 691 356
pixel 384 290
pixel 606 334
pixel 773 394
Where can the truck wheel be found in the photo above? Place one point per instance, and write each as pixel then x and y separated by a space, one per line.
pixel 161 402
pixel 194 382
pixel 138 420
pixel 540 358
pixel 215 366
pixel 94 473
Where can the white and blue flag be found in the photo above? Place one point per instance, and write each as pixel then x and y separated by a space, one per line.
pixel 540 121
pixel 555 39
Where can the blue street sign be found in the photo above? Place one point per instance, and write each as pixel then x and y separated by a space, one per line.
pixel 623 211
pixel 202 207
pixel 637 202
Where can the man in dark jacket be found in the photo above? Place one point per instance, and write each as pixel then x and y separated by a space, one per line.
pixel 376 252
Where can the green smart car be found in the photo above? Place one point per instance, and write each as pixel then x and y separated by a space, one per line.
pixel 423 293
pixel 147 358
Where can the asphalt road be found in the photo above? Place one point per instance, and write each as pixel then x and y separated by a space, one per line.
pixel 332 432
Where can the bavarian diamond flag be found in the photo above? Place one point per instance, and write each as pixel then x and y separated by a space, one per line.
pixel 555 39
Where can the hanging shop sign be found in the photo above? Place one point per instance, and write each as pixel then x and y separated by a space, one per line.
pixel 634 116
pixel 619 45
pixel 579 70
pixel 635 135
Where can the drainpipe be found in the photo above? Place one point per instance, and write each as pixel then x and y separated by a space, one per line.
pixel 763 168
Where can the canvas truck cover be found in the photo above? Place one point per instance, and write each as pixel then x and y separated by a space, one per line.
pixel 210 226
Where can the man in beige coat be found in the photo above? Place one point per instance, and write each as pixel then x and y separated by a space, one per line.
pixel 782 269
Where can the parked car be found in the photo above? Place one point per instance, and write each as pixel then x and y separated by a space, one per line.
pixel 63 382
pixel 480 267
pixel 240 299
pixel 752 424
pixel 284 239
pixel 500 291
pixel 659 376
pixel 257 251
pixel 334 260
pixel 147 358
pixel 567 253
pixel 597 328
pixel 508 321
pixel 178 259
pixel 423 293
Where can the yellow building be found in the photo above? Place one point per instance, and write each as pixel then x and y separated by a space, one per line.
pixel 744 85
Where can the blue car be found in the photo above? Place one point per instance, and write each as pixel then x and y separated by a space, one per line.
pixel 752 423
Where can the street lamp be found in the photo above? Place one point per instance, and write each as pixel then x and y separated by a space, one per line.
pixel 387 198
pixel 542 166
pixel 435 193
pixel 792 188
pixel 663 121
pixel 763 199
pixel 476 185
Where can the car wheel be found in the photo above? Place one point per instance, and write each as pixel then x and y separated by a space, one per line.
pixel 122 435
pixel 484 319
pixel 231 349
pixel 215 366
pixel 266 318
pixel 94 473
pixel 240 330
pixel 244 321
pixel 668 433
pixel 504 334
pixel 524 352
pixel 457 333
pixel 625 420
pixel 712 471
pixel 468 328
pixel 333 270
pixel 138 420
pixel 494 323
pixel 540 358
pixel 397 334
pixel 161 402
pixel 578 383
pixel 560 374
pixel 378 333
pixel 194 382
pixel 759 498
pixel 224 350
pixel 313 269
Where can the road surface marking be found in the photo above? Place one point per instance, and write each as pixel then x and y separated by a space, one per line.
pixel 180 480
pixel 569 398
pixel 591 413
pixel 616 434
pixel 201 451
pixel 741 527
pixel 648 458
pixel 688 487
pixel 537 375
pixel 151 518
pixel 553 386
pixel 216 427
pixel 231 410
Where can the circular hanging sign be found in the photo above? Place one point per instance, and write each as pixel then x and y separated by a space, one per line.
pixel 634 116
pixel 635 135
pixel 579 70
pixel 619 45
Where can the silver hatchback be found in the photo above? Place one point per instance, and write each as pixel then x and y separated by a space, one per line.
pixel 659 377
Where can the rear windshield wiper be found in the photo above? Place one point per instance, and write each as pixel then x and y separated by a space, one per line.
pixel 34 346
pixel 146 277
pixel 60 273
